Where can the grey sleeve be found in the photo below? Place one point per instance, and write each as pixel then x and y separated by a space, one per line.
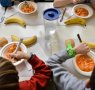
pixel 63 79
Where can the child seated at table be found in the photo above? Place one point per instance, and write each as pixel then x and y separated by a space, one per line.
pixel 63 3
pixel 9 79
pixel 62 77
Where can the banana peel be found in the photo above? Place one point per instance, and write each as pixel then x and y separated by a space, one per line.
pixel 76 20
pixel 28 41
pixel 90 44
pixel 15 19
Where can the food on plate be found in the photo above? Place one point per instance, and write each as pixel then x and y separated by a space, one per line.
pixel 80 21
pixel 28 41
pixel 70 41
pixel 90 44
pixel 27 8
pixel 11 49
pixel 3 41
pixel 15 19
pixel 85 62
pixel 81 12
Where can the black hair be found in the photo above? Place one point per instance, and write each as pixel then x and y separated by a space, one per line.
pixel 92 80
pixel 9 79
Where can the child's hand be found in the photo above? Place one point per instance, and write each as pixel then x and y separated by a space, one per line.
pixel 93 5
pixel 75 1
pixel 82 49
pixel 20 55
pixel 71 41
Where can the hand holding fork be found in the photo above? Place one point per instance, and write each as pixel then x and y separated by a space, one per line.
pixel 18 45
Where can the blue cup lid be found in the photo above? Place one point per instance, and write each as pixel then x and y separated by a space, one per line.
pixel 51 14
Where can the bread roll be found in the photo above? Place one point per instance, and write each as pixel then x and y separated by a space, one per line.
pixel 70 41
pixel 3 41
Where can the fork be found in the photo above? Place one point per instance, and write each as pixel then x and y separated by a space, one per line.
pixel 3 16
pixel 64 10
pixel 18 45
pixel 26 3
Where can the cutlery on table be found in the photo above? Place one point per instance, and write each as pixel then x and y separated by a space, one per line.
pixel 3 16
pixel 64 10
pixel 12 15
pixel 70 16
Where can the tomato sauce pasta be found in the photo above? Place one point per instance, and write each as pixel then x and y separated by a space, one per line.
pixel 85 62
pixel 81 12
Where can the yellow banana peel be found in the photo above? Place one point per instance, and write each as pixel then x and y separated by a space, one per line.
pixel 90 44
pixel 15 19
pixel 28 41
pixel 80 21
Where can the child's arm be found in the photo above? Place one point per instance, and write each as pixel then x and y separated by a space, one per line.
pixel 61 3
pixel 41 76
pixel 63 79
pixel 93 4
pixel 77 1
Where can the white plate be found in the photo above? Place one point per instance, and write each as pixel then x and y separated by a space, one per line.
pixel 31 4
pixel 78 69
pixel 90 10
pixel 4 49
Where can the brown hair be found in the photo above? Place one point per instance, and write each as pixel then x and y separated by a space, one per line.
pixel 9 79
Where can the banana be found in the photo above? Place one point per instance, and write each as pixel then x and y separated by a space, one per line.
pixel 27 41
pixel 15 19
pixel 15 38
pixel 75 21
pixel 30 41
pixel 90 44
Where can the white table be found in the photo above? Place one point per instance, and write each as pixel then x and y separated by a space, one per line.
pixel 35 25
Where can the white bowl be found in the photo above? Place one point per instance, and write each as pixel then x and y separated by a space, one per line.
pixel 79 70
pixel 30 3
pixel 4 49
pixel 90 10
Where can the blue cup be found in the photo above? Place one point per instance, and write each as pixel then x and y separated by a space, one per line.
pixel 6 3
